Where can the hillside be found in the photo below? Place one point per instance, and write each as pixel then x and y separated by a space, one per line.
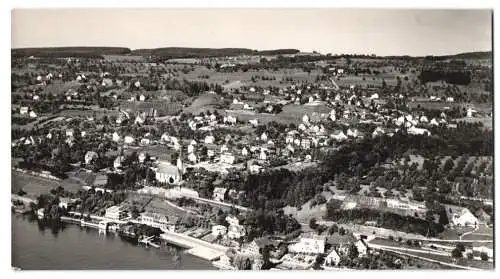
pixel 466 55
pixel 183 52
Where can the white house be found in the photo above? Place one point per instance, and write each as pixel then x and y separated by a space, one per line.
pixel 142 98
pixel 255 169
pixel 192 158
pixel 65 202
pixel 254 122
pixel 137 84
pixel 236 231
pixel 227 158
pixel 145 141
pixel 230 119
pixel 374 96
pixel 332 259
pixel 399 121
pixel 209 139
pixel 219 194
pixel 140 119
pixel 361 247
pixel 378 132
pixel 338 136
pixel 263 137
pixel 434 122
pixel 424 119
pixel 352 133
pixel 305 143
pixel 418 131
pixel 141 158
pixel 23 110
pixel 471 112
pixel 117 163
pixel 262 155
pixel 33 114
pixel 129 139
pixel 90 156
pixel 219 230
pixel 308 245
pixel 305 118
pixel 244 151
pixel 210 153
pixel 464 218
pixel 190 148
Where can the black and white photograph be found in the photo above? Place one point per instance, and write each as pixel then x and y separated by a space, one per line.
pixel 320 139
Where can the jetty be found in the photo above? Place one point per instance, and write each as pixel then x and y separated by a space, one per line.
pixel 195 246
pixel 147 241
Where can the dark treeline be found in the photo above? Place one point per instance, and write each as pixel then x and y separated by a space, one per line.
pixel 452 77
pixel 88 52
pixel 278 52
pixel 467 55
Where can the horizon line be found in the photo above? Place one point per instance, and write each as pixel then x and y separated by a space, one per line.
pixel 253 49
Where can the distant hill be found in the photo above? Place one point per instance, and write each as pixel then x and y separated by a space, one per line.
pixel 183 52
pixel 61 52
pixel 466 55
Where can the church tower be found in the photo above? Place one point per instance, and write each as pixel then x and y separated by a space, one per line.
pixel 180 165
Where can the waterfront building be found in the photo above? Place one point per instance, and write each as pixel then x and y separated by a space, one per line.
pixel 115 213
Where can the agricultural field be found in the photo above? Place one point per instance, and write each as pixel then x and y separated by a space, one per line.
pixel 123 58
pixel 163 207
pixel 161 152
pixel 238 79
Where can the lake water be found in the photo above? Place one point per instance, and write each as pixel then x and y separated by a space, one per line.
pixel 38 247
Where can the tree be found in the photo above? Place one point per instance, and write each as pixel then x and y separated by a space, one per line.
pixel 448 165
pixel 484 256
pixel 333 229
pixel 134 212
pixel 353 251
pixel 21 192
pixel 313 224
pixel 460 247
pixel 242 262
pixel 456 253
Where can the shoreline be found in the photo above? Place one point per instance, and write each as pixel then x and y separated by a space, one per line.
pixel 189 245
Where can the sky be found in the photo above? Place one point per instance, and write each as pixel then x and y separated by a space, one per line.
pixel 326 30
